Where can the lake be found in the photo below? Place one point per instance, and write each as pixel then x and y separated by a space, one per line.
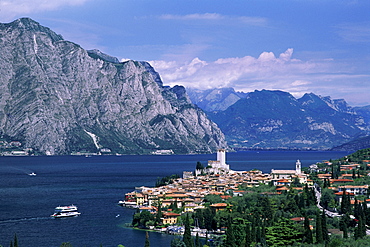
pixel 95 185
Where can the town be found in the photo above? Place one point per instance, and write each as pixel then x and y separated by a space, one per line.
pixel 217 187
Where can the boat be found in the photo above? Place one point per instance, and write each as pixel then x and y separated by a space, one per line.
pixel 32 174
pixel 65 211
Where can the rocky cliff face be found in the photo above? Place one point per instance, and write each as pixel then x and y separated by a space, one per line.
pixel 59 98
pixel 275 119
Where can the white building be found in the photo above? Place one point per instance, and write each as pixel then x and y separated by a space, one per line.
pixel 289 174
pixel 218 166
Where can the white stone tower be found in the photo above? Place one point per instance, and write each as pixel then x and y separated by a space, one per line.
pixel 221 157
pixel 298 167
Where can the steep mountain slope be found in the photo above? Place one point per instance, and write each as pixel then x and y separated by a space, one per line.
pixel 354 145
pixel 215 99
pixel 364 111
pixel 275 119
pixel 58 98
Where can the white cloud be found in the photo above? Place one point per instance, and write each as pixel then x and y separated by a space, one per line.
pixel 267 71
pixel 300 83
pixel 354 32
pixel 206 16
pixel 249 20
pixel 9 9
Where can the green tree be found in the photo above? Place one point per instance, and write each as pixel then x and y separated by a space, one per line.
pixel 199 166
pixel 147 243
pixel 158 216
pixel 283 233
pixel 343 225
pixel 319 236
pixel 360 230
pixel 177 242
pixel 15 240
pixel 66 244
pixel 197 241
pixel 324 227
pixel 346 203
pixel 307 231
pixel 187 233
pixel 230 237
pixel 248 238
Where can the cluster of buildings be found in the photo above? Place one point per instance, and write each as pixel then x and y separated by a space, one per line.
pixel 13 148
pixel 217 178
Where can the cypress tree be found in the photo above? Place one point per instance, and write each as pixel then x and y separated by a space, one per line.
pixel 248 238
pixel 230 237
pixel 147 243
pixel 344 225
pixel 15 240
pixel 324 227
pixel 253 230
pixel 187 233
pixel 258 230
pixel 307 231
pixel 197 241
pixel 159 214
pixel 319 237
pixel 346 203
pixel 360 230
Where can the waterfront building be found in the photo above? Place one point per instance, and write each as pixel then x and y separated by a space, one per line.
pixel 218 166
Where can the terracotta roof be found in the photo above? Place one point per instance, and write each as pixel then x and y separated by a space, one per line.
pixel 282 188
pixel 170 214
pixel 219 205
pixel 341 193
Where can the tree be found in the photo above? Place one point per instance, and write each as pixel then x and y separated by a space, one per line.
pixel 187 233
pixel 177 242
pixel 15 240
pixel 230 237
pixel 66 245
pixel 324 227
pixel 343 225
pixel 159 214
pixel 307 231
pixel 319 237
pixel 360 230
pixel 147 243
pixel 345 205
pixel 197 241
pixel 199 166
pixel 283 233
pixel 248 238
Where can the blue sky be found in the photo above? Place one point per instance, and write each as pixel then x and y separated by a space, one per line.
pixel 298 46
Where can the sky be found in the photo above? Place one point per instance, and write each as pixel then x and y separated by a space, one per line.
pixel 297 46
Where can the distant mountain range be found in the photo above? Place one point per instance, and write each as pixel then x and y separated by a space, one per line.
pixel 277 120
pixel 58 98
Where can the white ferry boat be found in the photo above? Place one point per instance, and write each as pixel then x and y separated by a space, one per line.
pixel 65 211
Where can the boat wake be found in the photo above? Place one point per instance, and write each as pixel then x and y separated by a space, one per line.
pixel 23 219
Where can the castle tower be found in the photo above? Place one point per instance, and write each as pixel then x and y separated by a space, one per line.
pixel 221 156
pixel 298 167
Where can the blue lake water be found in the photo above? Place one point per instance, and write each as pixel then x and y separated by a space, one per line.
pixel 95 185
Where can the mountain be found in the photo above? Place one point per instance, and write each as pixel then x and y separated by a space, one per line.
pixel 58 98
pixel 215 99
pixel 363 111
pixel 277 120
pixel 354 145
